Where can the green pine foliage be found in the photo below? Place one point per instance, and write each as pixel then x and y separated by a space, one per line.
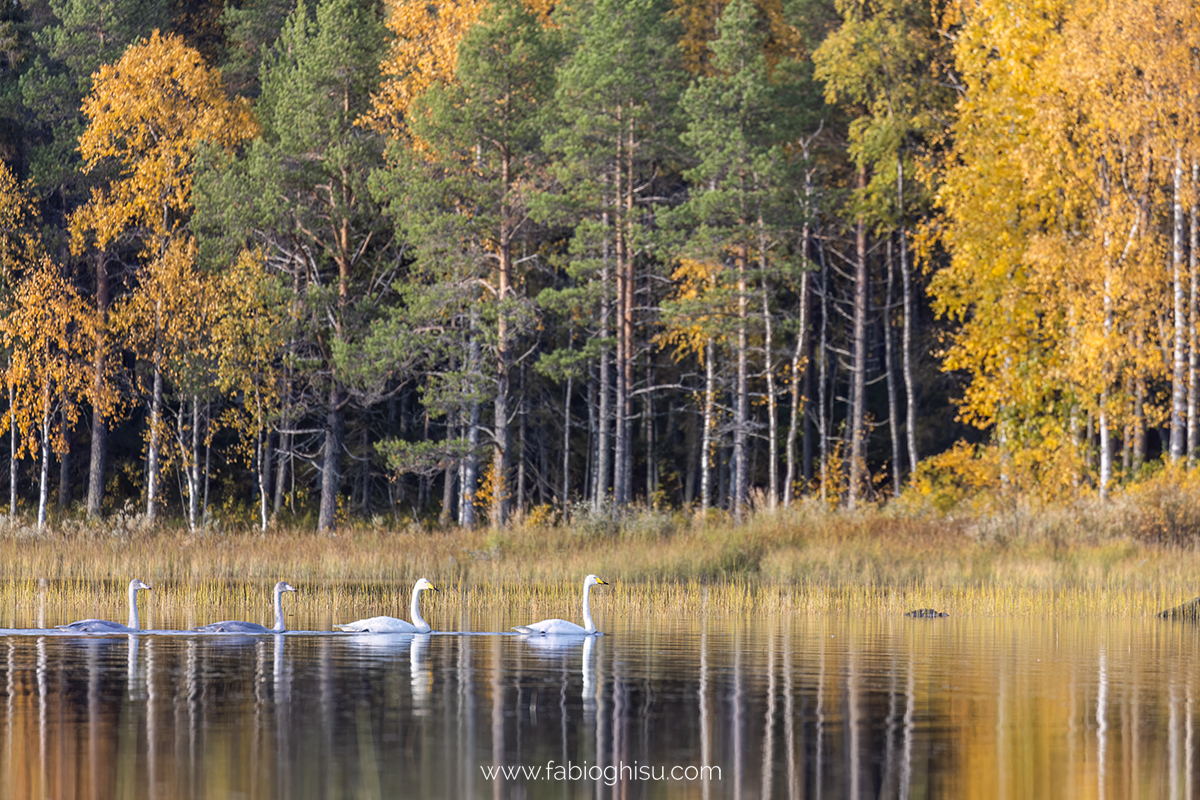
pixel 625 252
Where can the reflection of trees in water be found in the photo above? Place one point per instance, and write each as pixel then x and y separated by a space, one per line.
pixel 787 709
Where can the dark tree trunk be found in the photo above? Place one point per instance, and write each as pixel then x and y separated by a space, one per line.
pixel 331 476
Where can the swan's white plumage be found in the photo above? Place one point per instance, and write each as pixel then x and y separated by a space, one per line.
pixel 394 624
pixel 105 626
pixel 237 626
pixel 562 627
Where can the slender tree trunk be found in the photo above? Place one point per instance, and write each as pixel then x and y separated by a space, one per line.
pixel 261 474
pixel 64 463
pixel 283 456
pixel 910 386
pixel 268 465
pixel 519 452
pixel 1139 422
pixel 331 477
pixel 741 405
pixel 566 462
pixel 13 464
pixel 600 479
pixel 589 467
pixel 627 222
pixel 858 392
pixel 44 482
pixel 769 360
pixel 152 469
pixel 620 430
pixel 1103 420
pixel 893 417
pixel 823 426
pixel 706 444
pixel 95 501
pixel 1193 424
pixel 99 454
pixel 470 479
pixel 193 472
pixel 207 462
pixel 799 368
pixel 448 479
pixel 501 452
pixel 691 436
pixel 1179 360
pixel 623 354
pixel 648 430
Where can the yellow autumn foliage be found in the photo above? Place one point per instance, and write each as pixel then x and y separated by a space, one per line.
pixel 1057 200
pixel 148 114
pixel 424 51
pixel 48 333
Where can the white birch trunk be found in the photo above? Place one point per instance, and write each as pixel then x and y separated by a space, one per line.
pixel 891 376
pixel 600 480
pixel 12 453
pixel 44 483
pixel 795 410
pixel 858 394
pixel 261 469
pixel 1179 360
pixel 155 431
pixel 772 400
pixel 566 462
pixel 1193 425
pixel 706 433
pixel 910 390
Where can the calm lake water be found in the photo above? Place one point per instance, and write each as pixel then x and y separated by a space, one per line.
pixel 798 707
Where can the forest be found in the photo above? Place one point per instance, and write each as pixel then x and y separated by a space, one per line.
pixel 466 262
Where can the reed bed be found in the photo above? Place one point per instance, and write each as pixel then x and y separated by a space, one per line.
pixel 804 561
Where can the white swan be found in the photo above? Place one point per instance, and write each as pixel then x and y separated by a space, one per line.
pixel 236 626
pixel 562 627
pixel 103 625
pixel 392 624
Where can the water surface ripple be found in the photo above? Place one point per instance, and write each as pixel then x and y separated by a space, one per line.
pixel 796 707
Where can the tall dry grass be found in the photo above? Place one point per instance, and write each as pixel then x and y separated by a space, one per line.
pixel 1132 556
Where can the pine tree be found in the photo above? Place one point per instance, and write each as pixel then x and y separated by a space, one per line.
pixel 615 128
pixel 301 194
pixel 464 200
pixel 733 130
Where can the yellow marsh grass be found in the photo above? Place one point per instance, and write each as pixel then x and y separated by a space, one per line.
pixel 805 561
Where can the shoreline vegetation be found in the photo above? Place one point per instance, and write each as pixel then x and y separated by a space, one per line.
pixel 1131 556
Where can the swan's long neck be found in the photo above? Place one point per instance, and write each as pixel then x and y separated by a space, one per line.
pixel 415 610
pixel 278 609
pixel 588 624
pixel 133 613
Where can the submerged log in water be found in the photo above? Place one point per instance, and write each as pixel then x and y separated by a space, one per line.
pixel 1189 610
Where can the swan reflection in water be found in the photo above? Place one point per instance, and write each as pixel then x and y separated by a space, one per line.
pixel 416 645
